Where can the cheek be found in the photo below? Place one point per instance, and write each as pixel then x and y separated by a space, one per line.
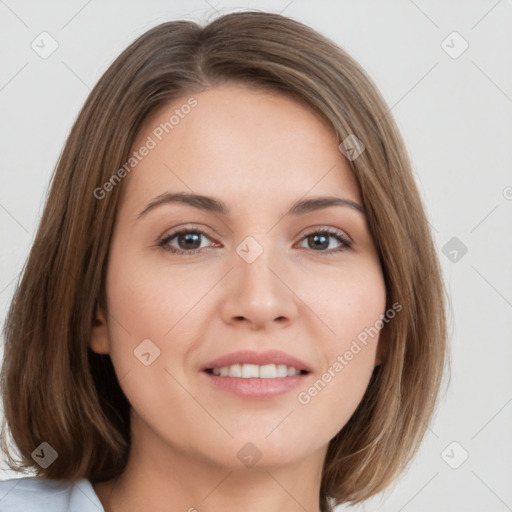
pixel 149 301
pixel 350 306
pixel 148 308
pixel 349 302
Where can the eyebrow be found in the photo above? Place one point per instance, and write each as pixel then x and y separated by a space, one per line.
pixel 211 204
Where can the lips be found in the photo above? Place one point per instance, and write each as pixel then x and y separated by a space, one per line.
pixel 250 375
pixel 276 357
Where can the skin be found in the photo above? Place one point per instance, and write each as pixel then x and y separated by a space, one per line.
pixel 259 152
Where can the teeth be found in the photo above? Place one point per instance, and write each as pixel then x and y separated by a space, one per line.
pixel 290 371
pixel 252 371
pixel 249 371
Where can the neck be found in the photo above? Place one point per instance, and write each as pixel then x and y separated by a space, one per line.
pixel 158 475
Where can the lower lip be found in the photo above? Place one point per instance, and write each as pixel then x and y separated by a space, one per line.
pixel 256 388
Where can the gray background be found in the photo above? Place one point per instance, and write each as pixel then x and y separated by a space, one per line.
pixel 455 112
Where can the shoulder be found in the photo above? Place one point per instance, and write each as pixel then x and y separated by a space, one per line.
pixel 32 494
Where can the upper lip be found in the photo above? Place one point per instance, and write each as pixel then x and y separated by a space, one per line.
pixel 259 358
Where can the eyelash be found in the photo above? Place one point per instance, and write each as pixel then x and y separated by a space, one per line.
pixel 346 244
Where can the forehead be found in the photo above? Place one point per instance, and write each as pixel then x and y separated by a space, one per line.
pixel 242 144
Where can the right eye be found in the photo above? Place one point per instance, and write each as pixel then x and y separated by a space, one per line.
pixel 187 240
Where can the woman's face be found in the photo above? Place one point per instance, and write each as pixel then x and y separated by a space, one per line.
pixel 189 282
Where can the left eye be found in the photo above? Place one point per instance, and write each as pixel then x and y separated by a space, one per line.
pixel 189 241
pixel 320 240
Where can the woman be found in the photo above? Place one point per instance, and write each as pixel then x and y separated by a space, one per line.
pixel 233 300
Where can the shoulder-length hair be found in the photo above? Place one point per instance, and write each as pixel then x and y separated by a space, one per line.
pixel 56 389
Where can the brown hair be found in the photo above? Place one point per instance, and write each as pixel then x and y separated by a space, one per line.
pixel 56 389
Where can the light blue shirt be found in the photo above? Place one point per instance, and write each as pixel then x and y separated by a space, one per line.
pixel 32 494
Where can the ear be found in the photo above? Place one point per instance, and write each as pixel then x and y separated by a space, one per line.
pixel 100 341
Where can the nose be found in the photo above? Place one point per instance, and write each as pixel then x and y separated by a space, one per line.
pixel 259 294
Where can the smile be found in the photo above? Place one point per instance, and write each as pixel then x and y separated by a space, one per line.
pixel 254 371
